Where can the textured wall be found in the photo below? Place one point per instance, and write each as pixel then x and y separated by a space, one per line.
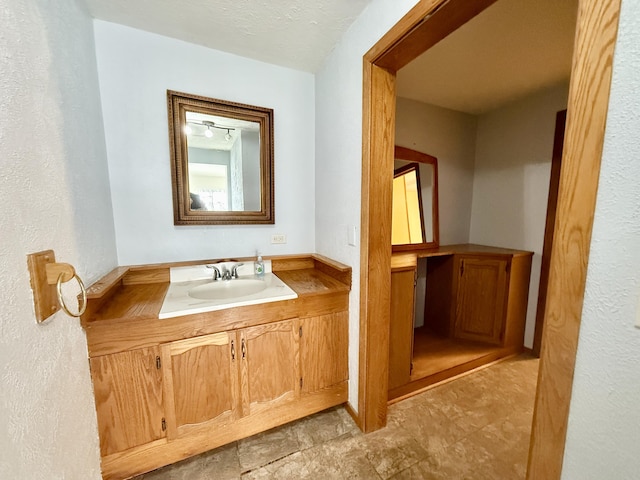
pixel 511 179
pixel 134 102
pixel 603 435
pixel 339 152
pixel 501 160
pixel 54 194
pixel 449 136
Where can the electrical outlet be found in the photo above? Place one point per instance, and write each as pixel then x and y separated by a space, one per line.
pixel 279 238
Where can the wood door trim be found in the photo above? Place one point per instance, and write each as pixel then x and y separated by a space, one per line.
pixel 552 205
pixel 378 138
pixel 445 18
pixel 584 139
pixel 588 102
pixel 375 247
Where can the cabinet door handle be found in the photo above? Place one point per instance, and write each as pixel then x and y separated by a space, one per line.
pixel 233 351
pixel 244 349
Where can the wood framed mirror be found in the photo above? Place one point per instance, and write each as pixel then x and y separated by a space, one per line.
pixel 415 222
pixel 221 161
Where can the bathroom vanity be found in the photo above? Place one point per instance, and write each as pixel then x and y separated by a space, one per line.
pixel 169 388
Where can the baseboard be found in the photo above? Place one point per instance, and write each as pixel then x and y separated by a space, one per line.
pixel 354 415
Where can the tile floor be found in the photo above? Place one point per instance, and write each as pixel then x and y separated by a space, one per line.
pixel 476 427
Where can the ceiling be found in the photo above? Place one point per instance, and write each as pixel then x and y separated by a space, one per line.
pixel 513 48
pixel 297 34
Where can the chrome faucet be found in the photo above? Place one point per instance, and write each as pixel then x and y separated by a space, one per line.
pixel 234 270
pixel 226 274
pixel 222 273
pixel 216 272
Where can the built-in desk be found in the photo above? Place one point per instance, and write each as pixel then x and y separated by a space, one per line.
pixel 471 293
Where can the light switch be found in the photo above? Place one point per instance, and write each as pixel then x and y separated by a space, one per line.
pixel 352 235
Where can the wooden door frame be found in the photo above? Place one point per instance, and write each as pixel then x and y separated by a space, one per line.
pixel 426 23
pixel 552 205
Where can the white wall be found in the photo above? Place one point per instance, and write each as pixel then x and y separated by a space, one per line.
pixel 514 147
pixel 55 195
pixel 135 69
pixel 449 136
pixel 603 434
pixel 339 152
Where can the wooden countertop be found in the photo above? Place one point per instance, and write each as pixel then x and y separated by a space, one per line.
pixel 461 249
pixel 123 306
pixel 407 256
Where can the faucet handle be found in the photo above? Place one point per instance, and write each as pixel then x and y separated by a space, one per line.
pixel 216 272
pixel 234 270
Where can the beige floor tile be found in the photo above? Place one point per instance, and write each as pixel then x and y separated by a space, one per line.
pixel 223 461
pixel 474 428
pixel 267 447
pixel 293 466
pixel 431 428
pixel 323 427
pixel 344 457
pixel 392 449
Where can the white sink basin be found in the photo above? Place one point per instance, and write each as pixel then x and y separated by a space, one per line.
pixel 227 289
pixel 193 290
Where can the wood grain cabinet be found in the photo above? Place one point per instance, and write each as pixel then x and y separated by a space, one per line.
pixel 201 385
pixel 475 304
pixel 269 362
pixel 168 389
pixel 216 379
pixel 481 292
pixel 490 295
pixel 129 400
pixel 324 345
pixel 218 387
pixel 403 281
pixel 480 297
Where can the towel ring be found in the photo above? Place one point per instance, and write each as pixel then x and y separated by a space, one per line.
pixel 83 305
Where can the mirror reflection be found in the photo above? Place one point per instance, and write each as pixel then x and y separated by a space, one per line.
pixel 407 219
pixel 221 161
pixel 415 200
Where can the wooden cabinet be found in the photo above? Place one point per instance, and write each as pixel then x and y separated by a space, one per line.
pixel 202 392
pixel 201 382
pixel 481 293
pixel 480 297
pixel 324 345
pixel 169 389
pixel 269 366
pixel 475 305
pixel 213 380
pixel 403 280
pixel 129 402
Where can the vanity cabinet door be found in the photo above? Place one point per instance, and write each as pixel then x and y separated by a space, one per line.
pixel 270 373
pixel 403 281
pixel 128 394
pixel 481 298
pixel 201 382
pixel 324 344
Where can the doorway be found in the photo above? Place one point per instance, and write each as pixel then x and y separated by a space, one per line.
pixel 424 25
